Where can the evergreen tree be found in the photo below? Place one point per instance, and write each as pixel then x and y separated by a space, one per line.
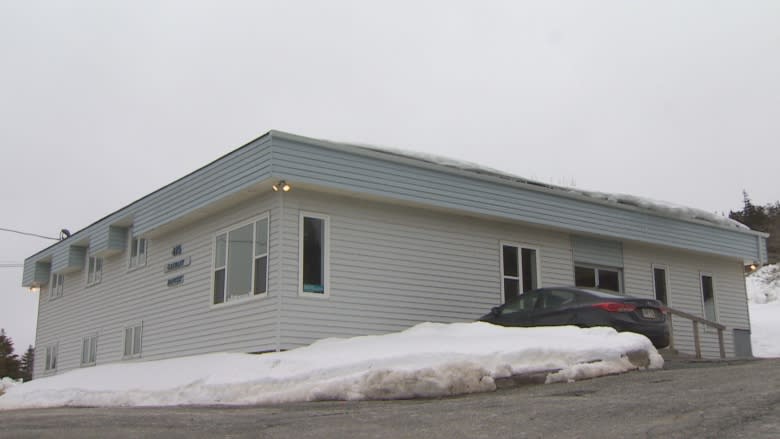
pixel 9 361
pixel 28 360
pixel 764 219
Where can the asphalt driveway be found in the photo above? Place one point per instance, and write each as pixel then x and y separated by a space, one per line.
pixel 730 399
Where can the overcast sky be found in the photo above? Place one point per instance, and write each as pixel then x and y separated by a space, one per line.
pixel 104 102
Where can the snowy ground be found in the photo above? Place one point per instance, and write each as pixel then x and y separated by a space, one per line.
pixel 763 289
pixel 428 360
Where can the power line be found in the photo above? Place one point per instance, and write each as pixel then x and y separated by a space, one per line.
pixel 28 234
pixel 11 265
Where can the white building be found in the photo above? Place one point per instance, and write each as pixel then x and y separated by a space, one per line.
pixel 358 240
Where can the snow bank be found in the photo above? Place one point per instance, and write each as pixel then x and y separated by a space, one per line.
pixel 661 207
pixel 763 290
pixel 763 285
pixel 428 360
pixel 6 383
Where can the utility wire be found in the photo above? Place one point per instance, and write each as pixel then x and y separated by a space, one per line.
pixel 28 234
pixel 11 265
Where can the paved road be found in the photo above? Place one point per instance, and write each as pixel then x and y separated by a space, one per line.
pixel 736 400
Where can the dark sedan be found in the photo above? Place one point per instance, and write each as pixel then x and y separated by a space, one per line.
pixel 557 306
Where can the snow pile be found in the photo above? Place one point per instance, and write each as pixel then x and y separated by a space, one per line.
pixel 6 383
pixel 763 289
pixel 428 360
pixel 763 285
pixel 661 207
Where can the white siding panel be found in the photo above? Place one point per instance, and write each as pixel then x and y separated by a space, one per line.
pixel 176 320
pixel 392 267
pixel 684 291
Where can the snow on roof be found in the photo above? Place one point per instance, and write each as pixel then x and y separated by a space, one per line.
pixel 664 208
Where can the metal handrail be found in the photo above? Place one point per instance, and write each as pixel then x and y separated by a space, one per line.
pixel 696 320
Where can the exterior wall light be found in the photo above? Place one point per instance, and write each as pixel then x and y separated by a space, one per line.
pixel 35 289
pixel 281 186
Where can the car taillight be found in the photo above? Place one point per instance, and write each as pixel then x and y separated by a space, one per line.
pixel 664 310
pixel 615 306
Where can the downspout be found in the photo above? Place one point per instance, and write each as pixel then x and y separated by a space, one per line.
pixel 280 288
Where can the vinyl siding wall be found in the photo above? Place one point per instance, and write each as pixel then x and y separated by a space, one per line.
pixel 684 292
pixel 177 321
pixel 394 266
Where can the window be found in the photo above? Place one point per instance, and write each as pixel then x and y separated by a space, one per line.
pixel 241 262
pixel 708 297
pixel 51 357
pixel 56 285
pixel 94 270
pixel 518 271
pixel 552 299
pixel 133 341
pixel 89 350
pixel 659 285
pixel 314 254
pixel 137 252
pixel 598 277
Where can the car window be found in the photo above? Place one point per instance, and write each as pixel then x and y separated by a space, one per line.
pixel 552 299
pixel 524 302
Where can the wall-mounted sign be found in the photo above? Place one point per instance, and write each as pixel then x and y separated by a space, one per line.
pixel 176 281
pixel 178 264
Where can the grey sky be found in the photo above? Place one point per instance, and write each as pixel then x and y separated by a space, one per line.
pixel 104 102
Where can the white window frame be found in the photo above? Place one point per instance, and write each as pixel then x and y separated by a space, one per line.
pixel 667 277
pixel 56 285
pixel 621 286
pixel 136 349
pixel 325 254
pixel 94 276
pixel 50 360
pixel 137 244
pixel 89 355
pixel 519 277
pixel 251 294
pixel 714 296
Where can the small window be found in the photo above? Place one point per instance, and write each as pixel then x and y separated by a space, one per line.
pixel 88 350
pixel 519 271
pixel 603 278
pixel 56 285
pixel 51 358
pixel 708 298
pixel 132 347
pixel 241 262
pixel 94 270
pixel 659 285
pixel 314 254
pixel 138 252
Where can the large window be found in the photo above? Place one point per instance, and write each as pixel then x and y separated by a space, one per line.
pixel 241 262
pixel 602 278
pixel 660 285
pixel 708 297
pixel 56 285
pixel 314 254
pixel 519 272
pixel 137 252
pixel 89 350
pixel 132 345
pixel 51 358
pixel 94 270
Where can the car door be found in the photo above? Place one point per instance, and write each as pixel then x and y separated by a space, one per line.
pixel 519 312
pixel 555 307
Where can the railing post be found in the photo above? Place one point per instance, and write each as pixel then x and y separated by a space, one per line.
pixel 696 341
pixel 720 343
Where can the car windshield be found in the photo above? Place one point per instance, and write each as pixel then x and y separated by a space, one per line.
pixel 525 302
